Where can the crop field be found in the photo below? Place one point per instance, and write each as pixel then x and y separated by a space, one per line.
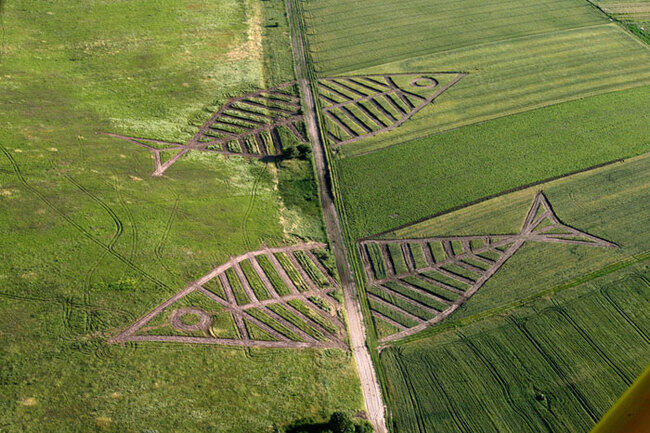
pixel 91 242
pixel 592 226
pixel 555 364
pixel 479 160
pixel 532 55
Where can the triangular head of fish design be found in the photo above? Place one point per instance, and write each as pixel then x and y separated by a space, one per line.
pixel 361 106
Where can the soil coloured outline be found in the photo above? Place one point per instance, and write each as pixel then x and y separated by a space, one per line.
pixel 316 323
pixel 360 106
pixel 431 291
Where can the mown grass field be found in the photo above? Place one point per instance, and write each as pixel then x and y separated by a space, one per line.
pixel 400 185
pixel 635 15
pixel 555 364
pixel 343 38
pixel 90 242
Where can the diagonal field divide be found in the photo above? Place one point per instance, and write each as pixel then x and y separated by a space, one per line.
pixel 356 329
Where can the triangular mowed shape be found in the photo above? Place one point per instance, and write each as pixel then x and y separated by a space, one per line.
pixel 294 311
pixel 360 106
pixel 463 265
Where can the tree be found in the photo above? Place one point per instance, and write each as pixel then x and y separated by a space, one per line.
pixel 364 426
pixel 341 422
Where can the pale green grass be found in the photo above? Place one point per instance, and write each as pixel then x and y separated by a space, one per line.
pixel 90 242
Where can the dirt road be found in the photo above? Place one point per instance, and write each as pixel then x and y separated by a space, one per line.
pixel 357 332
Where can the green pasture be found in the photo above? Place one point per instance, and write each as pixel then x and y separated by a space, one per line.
pixel 400 185
pixel 555 364
pixel 90 242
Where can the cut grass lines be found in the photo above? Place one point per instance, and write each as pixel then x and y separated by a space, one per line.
pixel 284 318
pixel 458 275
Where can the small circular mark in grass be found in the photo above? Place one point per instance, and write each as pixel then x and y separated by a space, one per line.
pixel 189 319
pixel 424 82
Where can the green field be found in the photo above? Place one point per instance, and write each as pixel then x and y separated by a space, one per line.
pixel 608 202
pixel 555 364
pixel 518 56
pixel 343 38
pixel 555 336
pixel 90 242
pixel 479 160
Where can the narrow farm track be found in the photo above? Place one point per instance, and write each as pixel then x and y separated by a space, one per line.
pixel 357 334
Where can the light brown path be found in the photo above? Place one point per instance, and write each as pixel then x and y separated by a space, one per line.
pixel 356 329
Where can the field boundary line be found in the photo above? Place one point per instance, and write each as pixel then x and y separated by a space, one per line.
pixel 305 75
pixel 598 273
pixel 505 192
pixel 489 118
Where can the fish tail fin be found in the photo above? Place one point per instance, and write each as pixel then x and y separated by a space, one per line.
pixel 541 224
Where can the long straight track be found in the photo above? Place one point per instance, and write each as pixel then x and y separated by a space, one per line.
pixel 369 384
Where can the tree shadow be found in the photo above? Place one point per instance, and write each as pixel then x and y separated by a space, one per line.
pixel 305 426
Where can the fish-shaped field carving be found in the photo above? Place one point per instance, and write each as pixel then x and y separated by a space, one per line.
pixel 411 295
pixel 361 106
pixel 274 297
pixel 354 107
pixel 247 126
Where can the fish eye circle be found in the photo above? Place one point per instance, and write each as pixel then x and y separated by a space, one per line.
pixel 424 82
pixel 189 319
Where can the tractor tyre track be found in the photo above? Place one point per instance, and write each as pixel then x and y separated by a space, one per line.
pixel 157 251
pixel 84 232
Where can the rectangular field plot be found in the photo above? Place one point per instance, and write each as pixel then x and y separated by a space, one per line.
pixel 555 367
pixel 516 75
pixel 345 37
pixel 448 170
